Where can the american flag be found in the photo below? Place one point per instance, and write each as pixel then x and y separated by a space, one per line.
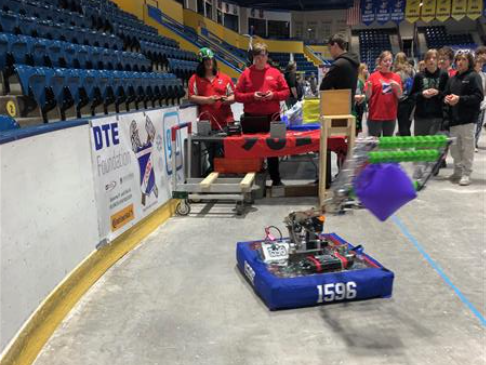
pixel 353 14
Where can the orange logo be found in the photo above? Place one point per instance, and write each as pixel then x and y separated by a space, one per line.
pixel 119 219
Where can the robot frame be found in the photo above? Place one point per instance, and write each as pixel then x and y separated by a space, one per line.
pixel 308 249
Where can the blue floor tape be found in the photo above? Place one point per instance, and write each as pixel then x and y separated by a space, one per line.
pixel 437 268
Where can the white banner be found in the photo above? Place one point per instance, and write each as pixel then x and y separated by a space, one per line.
pixel 132 166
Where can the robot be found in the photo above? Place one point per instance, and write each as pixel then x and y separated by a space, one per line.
pixel 308 250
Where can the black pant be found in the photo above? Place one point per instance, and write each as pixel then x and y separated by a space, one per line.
pixel 272 162
pixel 404 116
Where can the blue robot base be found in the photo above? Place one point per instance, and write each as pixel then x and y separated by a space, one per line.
pixel 374 281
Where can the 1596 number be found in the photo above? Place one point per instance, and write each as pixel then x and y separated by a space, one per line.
pixel 336 291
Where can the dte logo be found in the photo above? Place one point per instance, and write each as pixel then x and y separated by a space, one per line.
pixel 105 135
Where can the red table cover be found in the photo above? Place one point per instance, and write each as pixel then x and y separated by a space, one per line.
pixel 261 145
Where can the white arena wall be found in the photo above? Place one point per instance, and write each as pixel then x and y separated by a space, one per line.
pixel 49 214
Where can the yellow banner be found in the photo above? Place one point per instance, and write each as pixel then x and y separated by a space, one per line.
pixel 428 10
pixel 412 11
pixel 474 9
pixel 443 10
pixel 459 8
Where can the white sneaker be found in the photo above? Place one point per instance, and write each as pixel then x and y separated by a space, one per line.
pixel 476 150
pixel 465 180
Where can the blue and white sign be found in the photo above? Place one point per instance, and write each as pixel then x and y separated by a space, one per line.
pixel 383 11
pixel 368 13
pixel 131 156
pixel 397 10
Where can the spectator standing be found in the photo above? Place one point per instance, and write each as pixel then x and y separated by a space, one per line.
pixel 405 103
pixel 446 59
pixel 261 88
pixel 291 79
pixel 383 89
pixel 360 97
pixel 428 93
pixel 212 91
pixel 313 84
pixel 421 66
pixel 464 94
pixel 480 63
pixel 343 73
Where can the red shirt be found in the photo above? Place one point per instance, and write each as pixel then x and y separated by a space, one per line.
pixel 383 104
pixel 452 72
pixel 221 86
pixel 253 80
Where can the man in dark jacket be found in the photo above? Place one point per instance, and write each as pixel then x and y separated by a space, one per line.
pixel 464 93
pixel 343 73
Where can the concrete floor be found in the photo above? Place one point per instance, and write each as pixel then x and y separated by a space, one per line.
pixel 179 299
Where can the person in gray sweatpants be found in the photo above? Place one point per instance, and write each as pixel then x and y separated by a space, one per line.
pixel 464 94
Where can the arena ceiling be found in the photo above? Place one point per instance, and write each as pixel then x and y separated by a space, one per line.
pixel 298 5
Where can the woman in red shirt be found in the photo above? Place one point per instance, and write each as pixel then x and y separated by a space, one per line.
pixel 383 90
pixel 212 91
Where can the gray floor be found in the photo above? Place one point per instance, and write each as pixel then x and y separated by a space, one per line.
pixel 178 298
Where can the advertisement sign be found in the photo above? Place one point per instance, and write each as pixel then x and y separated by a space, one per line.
pixel 368 15
pixel 131 155
pixel 412 10
pixel 428 10
pixel 397 10
pixel 443 10
pixel 474 9
pixel 459 8
pixel 383 14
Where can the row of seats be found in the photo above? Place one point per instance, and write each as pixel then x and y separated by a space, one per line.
pixel 371 43
pixel 43 11
pixel 44 52
pixel 133 37
pixel 156 51
pixel 64 88
pixel 437 37
pixel 17 24
pixel 121 19
pixel 182 69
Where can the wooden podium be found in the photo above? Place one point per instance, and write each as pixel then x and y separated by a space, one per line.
pixel 336 119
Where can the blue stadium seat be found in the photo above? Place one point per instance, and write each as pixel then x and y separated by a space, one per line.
pixel 73 84
pixel 21 48
pixel 5 50
pixel 83 59
pixel 40 51
pixel 15 7
pixel 70 55
pixel 57 82
pixel 108 58
pixel 8 22
pixel 27 25
pixel 32 81
pixel 96 57
pixel 7 123
pixel 56 52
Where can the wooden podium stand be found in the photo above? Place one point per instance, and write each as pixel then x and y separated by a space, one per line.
pixel 336 119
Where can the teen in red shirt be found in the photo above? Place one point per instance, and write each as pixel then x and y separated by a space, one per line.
pixel 261 88
pixel 383 89
pixel 446 58
pixel 212 91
